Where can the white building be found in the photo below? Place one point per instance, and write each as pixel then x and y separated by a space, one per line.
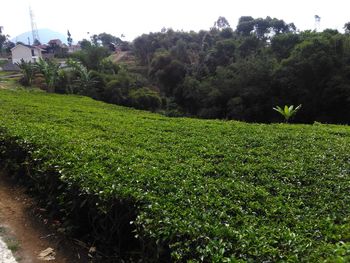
pixel 25 52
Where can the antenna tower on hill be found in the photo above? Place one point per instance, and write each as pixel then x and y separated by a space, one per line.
pixel 35 33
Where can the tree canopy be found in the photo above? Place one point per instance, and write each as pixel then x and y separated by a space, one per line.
pixel 229 73
pixel 243 73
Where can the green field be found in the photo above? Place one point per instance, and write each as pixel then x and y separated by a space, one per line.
pixel 195 190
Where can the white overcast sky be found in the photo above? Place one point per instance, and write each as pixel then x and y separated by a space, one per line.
pixel 134 17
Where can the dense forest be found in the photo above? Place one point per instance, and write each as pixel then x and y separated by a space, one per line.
pixel 221 73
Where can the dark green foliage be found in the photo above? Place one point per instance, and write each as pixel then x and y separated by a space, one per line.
pixel 245 25
pixel 263 27
pixel 242 74
pixel 8 45
pixel 222 23
pixel 85 44
pixel 223 73
pixel 108 41
pixel 67 81
pixel 116 92
pixel 250 45
pixel 145 99
pixel 189 95
pixel 314 76
pixel 144 47
pixel 283 44
pixel 112 83
pixel 221 55
pixel 195 190
pixel 85 80
pixel 168 73
pixel 91 56
pixel 3 39
pixel 108 67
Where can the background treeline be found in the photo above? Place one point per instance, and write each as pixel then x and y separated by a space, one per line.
pixel 223 72
pixel 240 74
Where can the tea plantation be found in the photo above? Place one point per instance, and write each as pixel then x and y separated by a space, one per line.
pixel 158 189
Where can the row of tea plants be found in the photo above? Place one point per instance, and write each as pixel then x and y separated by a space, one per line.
pixel 143 186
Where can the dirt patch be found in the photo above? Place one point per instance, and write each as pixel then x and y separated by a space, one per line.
pixel 27 233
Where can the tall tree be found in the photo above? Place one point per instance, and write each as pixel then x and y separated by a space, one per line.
pixel 245 25
pixel 283 44
pixel 262 27
pixel 36 42
pixel 347 28
pixel 69 38
pixel 3 39
pixel 92 56
pixel 85 44
pixel 221 23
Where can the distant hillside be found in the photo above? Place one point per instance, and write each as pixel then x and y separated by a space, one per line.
pixel 45 36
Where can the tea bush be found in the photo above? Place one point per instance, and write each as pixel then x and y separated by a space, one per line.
pixel 186 189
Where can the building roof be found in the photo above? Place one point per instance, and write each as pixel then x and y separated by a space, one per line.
pixel 28 46
pixel 55 41
pixel 42 46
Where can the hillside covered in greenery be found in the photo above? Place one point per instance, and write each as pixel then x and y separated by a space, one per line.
pixel 155 188
pixel 241 74
pixel 221 73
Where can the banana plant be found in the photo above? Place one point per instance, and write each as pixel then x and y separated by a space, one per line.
pixel 85 80
pixel 49 69
pixel 287 112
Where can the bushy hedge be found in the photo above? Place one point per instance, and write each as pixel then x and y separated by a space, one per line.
pixel 192 190
pixel 145 98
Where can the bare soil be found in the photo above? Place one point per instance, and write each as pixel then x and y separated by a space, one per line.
pixel 28 234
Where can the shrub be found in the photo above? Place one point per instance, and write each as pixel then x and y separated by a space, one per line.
pixel 115 93
pixel 145 99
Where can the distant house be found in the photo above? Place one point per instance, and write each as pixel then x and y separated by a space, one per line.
pixel 57 48
pixel 25 52
pixel 43 47
pixel 74 48
pixel 55 43
pixel 45 51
